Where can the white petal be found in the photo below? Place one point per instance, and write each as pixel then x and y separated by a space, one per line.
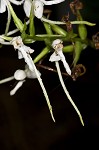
pixel 1 40
pixel 20 56
pixel 17 42
pixel 66 66
pixel 38 8
pixel 27 58
pixel 16 2
pixel 54 57
pixel 56 42
pixel 27 49
pixel 62 58
pixel 27 7
pixel 2 6
pixel 51 2
pixel 19 74
pixel 29 62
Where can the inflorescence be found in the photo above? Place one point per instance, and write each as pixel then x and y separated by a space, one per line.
pixel 58 35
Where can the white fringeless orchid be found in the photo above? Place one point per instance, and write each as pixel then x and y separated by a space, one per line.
pixel 58 54
pixel 3 4
pixel 20 76
pixel 24 52
pixel 38 6
pixel 55 57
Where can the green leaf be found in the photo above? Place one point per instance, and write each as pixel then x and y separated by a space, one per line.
pixel 16 20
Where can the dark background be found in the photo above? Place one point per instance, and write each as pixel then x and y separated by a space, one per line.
pixel 25 121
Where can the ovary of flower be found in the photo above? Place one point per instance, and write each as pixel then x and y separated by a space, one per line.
pixel 3 4
pixel 23 51
pixel 38 6
pixel 58 54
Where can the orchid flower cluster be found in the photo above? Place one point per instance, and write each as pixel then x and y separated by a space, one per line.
pixel 56 40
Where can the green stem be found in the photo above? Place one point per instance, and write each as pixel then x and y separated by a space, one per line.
pixel 72 22
pixel 83 22
pixel 44 52
pixel 17 21
pixel 8 22
pixel 6 38
pixel 78 49
pixel 48 28
pixel 58 30
pixel 31 24
pixel 6 80
pixel 68 49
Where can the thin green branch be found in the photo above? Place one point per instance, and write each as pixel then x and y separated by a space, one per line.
pixel 8 22
pixel 63 23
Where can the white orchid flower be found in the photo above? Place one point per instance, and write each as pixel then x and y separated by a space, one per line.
pixel 3 4
pixel 23 51
pixel 55 57
pixel 38 6
pixel 58 54
pixel 20 76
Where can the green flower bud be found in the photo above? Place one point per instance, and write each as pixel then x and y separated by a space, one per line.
pixel 58 30
pixel 42 54
pixel 31 24
pixel 77 49
pixel 68 49
pixel 48 28
pixel 82 30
